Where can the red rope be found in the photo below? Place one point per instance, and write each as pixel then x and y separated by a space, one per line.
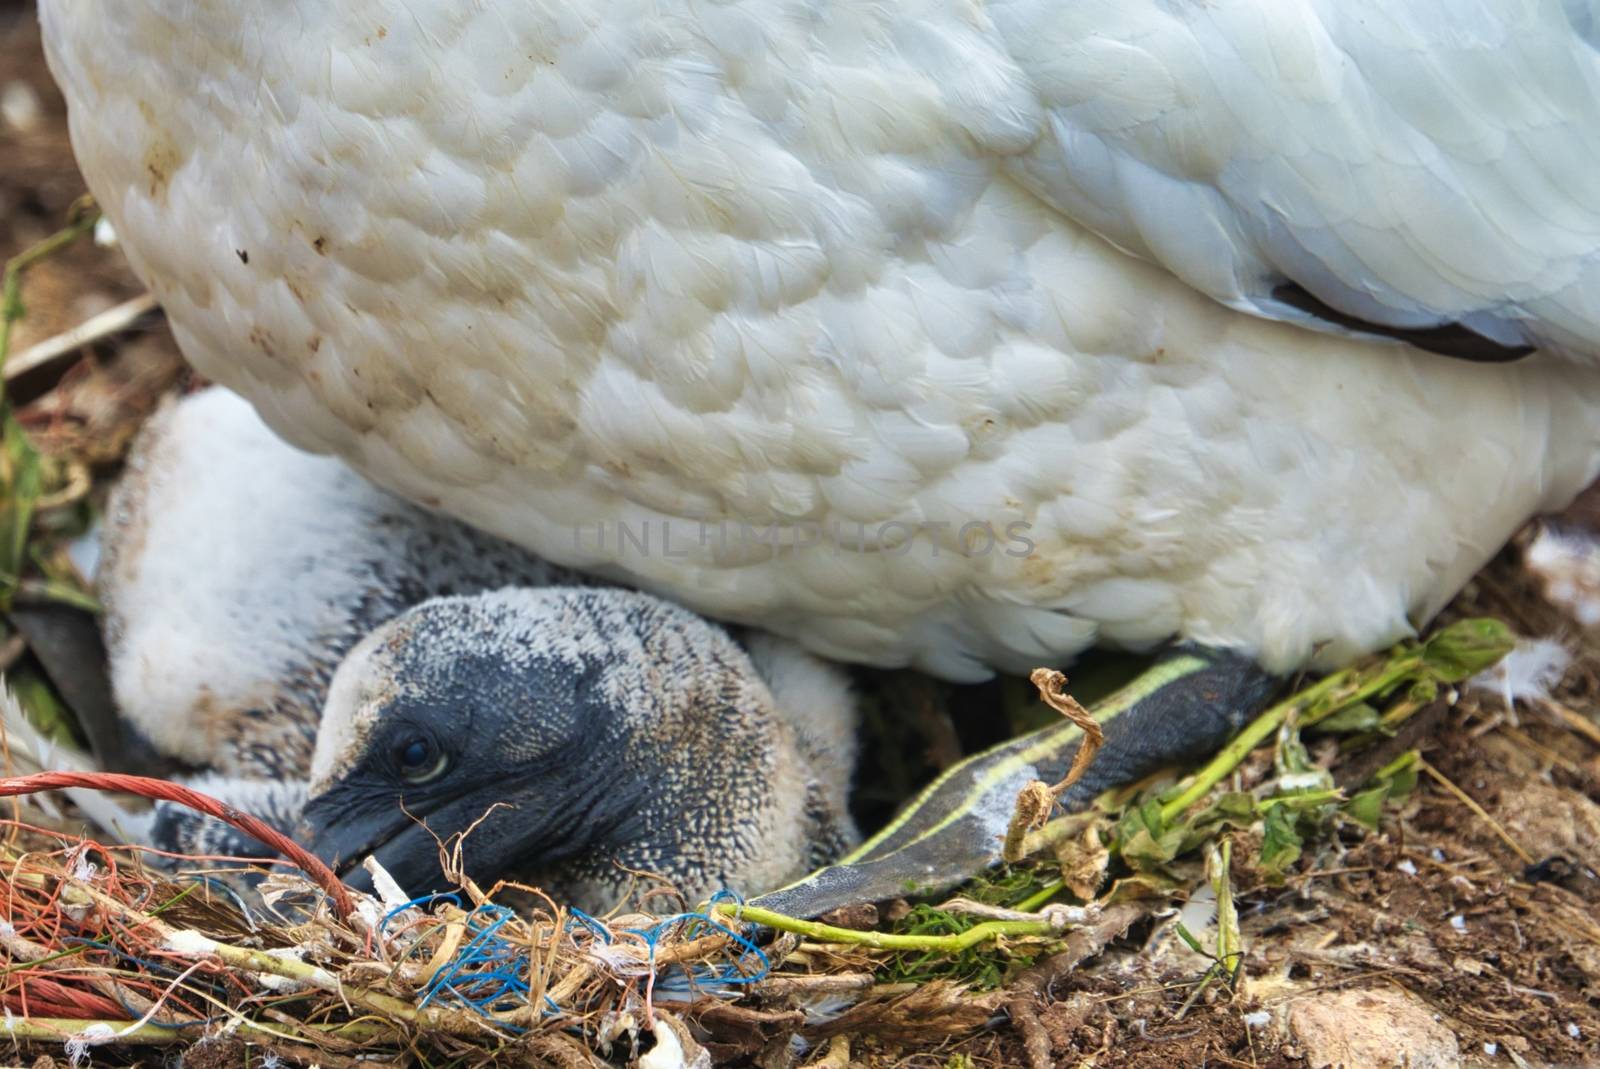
pixel 46 998
pixel 167 791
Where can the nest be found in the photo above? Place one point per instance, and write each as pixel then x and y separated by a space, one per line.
pixel 108 953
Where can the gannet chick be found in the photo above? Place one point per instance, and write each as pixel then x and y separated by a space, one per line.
pixel 600 730
pixel 240 572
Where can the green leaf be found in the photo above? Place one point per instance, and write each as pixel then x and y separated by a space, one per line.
pixel 21 482
pixel 1394 782
pixel 1281 841
pixel 1143 850
pixel 1424 691
pixel 1366 808
pixel 1466 648
pixel 1358 718
pixel 1149 815
pixel 1236 805
pixel 63 592
pixel 41 706
pixel 1145 839
pixel 1150 883
pixel 1235 809
pixel 1230 941
pixel 1399 777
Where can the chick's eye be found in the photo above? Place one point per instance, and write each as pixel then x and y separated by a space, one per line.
pixel 419 759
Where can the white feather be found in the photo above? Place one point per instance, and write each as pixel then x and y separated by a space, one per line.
pixel 1529 673
pixel 908 261
pixel 32 751
pixel 1567 564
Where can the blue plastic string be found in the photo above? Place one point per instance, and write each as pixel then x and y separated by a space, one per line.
pixel 489 974
pixel 710 979
pixel 425 900
pixel 593 925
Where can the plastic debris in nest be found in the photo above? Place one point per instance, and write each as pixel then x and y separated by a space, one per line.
pixel 491 974
pixel 99 949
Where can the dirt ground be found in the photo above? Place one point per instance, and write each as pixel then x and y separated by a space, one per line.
pixel 77 406
pixel 1466 932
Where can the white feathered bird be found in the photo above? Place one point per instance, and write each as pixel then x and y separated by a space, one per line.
pixel 923 331
pixel 559 267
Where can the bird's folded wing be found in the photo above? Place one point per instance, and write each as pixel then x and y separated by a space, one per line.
pixel 1406 164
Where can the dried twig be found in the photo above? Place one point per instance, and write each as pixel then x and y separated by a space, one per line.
pixel 1570 719
pixel 111 321
pixel 1052 690
pixel 1036 800
pixel 1478 810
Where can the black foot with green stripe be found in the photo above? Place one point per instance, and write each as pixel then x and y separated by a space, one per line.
pixel 1182 709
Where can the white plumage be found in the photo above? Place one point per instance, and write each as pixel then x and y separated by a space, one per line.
pixel 555 266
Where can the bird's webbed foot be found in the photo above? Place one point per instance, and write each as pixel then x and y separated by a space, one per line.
pixel 1186 705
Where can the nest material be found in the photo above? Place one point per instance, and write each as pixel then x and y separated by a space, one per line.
pixel 105 953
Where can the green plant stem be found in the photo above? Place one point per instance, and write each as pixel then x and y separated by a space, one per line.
pixel 1307 800
pixel 827 933
pixel 1406 760
pixel 1040 898
pixel 1317 702
pixel 11 287
pixel 1400 712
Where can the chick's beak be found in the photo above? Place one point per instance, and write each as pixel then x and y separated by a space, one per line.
pixel 344 839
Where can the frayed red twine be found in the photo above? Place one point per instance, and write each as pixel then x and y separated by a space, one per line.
pixel 165 790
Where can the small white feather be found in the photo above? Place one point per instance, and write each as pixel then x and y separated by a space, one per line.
pixel 1530 672
pixel 33 751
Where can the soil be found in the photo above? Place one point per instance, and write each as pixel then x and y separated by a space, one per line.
pixel 82 405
